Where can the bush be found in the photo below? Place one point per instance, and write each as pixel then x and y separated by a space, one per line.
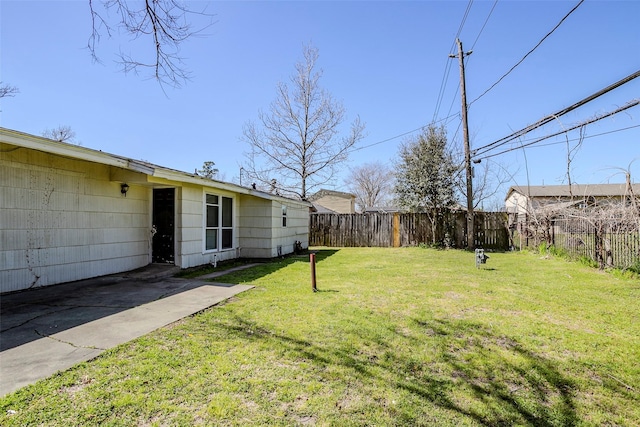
pixel 547 249
pixel 559 252
pixel 589 262
pixel 543 248
pixel 635 267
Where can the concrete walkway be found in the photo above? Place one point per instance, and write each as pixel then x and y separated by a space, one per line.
pixel 50 329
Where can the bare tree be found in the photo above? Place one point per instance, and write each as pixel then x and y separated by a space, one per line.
pixel 297 142
pixel 489 179
pixel 62 133
pixel 162 22
pixel 372 184
pixel 7 90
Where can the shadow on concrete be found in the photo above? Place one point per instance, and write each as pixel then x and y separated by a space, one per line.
pixel 35 313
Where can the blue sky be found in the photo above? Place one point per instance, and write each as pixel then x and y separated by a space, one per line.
pixel 385 61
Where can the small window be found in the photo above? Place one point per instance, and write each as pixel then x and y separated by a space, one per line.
pixel 284 216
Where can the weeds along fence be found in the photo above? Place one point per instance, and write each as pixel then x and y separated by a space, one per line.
pixel 606 243
pixel 407 229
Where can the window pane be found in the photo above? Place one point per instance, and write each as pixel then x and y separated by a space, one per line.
pixel 212 216
pixel 227 214
pixel 284 216
pixel 227 239
pixel 211 199
pixel 211 239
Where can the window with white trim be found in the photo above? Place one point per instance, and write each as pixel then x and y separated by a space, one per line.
pixel 218 222
pixel 284 216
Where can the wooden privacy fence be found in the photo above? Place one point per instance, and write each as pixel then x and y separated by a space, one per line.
pixel 407 229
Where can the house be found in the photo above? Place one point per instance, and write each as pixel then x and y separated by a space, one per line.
pixel 531 209
pixel 331 201
pixel 69 213
pixel 522 200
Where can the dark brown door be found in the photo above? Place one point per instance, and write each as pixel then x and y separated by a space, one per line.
pixel 164 220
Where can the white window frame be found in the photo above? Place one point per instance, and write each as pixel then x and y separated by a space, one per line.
pixel 284 216
pixel 220 225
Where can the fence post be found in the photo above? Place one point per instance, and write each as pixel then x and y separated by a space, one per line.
pixel 396 230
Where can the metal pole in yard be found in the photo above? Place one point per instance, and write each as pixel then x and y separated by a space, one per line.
pixel 312 261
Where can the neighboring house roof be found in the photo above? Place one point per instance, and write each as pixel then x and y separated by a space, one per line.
pixel 331 201
pixel 324 193
pixel 577 190
pixel 64 149
pixel 383 209
pixel 322 210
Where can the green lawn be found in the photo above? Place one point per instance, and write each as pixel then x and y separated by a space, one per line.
pixel 404 336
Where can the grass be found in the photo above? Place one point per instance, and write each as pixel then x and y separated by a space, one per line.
pixel 405 336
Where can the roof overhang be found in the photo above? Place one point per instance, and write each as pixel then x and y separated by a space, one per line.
pixel 24 140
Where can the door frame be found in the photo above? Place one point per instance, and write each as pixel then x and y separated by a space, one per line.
pixel 171 259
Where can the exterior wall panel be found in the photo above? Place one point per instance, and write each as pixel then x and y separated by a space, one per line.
pixel 63 220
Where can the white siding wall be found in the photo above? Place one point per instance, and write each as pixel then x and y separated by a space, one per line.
pixel 255 227
pixel 297 228
pixel 339 204
pixel 516 203
pixel 261 230
pixel 63 220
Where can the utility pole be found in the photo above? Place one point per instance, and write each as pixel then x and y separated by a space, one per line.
pixel 467 150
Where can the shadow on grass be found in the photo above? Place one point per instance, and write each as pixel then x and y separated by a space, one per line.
pixel 456 365
pixel 273 265
pixel 513 384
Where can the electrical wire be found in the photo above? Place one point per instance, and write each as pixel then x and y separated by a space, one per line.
pixel 485 24
pixel 474 43
pixel 447 67
pixel 387 140
pixel 549 144
pixel 528 53
pixel 485 148
pixel 399 136
pixel 588 122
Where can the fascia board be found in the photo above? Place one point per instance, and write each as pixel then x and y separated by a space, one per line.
pixel 178 176
pixel 63 149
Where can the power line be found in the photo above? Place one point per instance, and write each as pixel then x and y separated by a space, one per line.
pixel 387 140
pixel 447 67
pixel 549 144
pixel 485 148
pixel 588 122
pixel 400 135
pixel 479 151
pixel 474 43
pixel 485 24
pixel 528 53
pixel 464 18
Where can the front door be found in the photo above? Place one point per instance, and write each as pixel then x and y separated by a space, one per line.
pixel 164 220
